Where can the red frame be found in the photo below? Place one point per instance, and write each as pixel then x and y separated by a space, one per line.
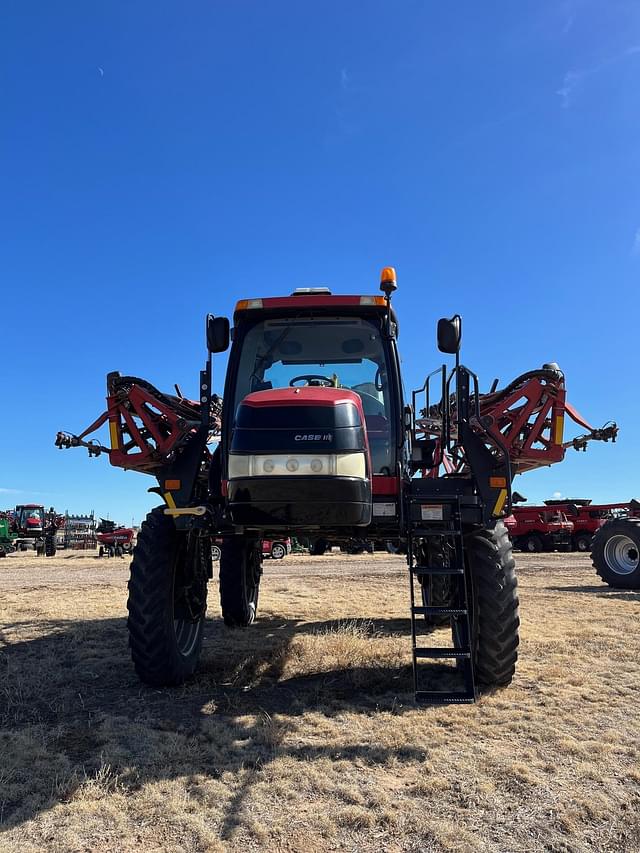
pixel 520 427
pixel 165 430
pixel 532 414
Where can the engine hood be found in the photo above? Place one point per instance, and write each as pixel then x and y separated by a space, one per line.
pixel 299 458
pixel 308 419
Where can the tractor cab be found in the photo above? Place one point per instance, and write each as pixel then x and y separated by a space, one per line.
pixel 313 433
pixel 29 519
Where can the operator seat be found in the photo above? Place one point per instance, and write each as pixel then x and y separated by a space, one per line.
pixel 378 431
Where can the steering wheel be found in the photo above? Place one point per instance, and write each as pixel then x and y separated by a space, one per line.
pixel 316 378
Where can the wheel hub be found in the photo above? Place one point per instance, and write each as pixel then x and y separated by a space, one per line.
pixel 621 554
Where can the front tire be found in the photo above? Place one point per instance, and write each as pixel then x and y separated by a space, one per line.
pixel 615 552
pixel 167 601
pixel 494 601
pixel 240 573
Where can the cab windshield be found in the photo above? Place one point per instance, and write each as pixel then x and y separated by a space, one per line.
pixel 332 352
pixel 31 517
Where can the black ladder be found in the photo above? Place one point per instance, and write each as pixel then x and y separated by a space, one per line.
pixel 425 523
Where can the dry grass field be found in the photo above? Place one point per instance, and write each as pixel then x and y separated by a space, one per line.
pixel 300 733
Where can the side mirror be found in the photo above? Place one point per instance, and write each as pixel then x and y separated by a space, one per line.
pixel 450 334
pixel 217 333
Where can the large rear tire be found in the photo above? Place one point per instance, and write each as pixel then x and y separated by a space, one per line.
pixel 240 573
pixel 615 552
pixel 494 600
pixel 167 601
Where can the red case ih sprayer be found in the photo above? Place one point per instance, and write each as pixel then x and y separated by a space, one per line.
pixel 315 437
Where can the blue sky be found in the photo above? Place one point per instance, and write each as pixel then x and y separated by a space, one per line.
pixel 161 160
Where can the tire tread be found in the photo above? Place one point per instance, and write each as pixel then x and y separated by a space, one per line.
pixel 152 641
pixel 496 605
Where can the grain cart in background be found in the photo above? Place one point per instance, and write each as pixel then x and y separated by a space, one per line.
pixel 315 436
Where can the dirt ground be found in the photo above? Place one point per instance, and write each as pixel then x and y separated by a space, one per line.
pixel 300 733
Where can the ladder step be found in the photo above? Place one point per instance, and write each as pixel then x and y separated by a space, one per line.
pixel 434 697
pixel 439 611
pixel 437 652
pixel 447 526
pixel 436 570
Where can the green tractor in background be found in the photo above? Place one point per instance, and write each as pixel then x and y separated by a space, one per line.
pixel 7 538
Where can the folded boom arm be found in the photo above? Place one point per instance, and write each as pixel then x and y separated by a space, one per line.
pixel 525 420
pixel 147 427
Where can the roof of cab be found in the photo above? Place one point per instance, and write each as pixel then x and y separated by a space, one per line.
pixel 315 300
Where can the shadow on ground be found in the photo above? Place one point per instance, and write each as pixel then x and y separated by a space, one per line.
pixel 73 688
pixel 601 591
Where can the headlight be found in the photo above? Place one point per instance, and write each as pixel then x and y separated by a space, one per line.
pixel 297 465
pixel 351 465
pixel 239 466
